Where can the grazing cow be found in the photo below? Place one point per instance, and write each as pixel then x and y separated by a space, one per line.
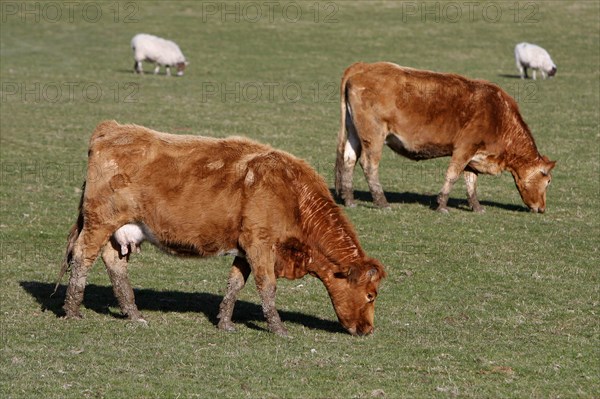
pixel 424 115
pixel 532 56
pixel 201 196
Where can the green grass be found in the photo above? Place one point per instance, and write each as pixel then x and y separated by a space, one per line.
pixel 503 304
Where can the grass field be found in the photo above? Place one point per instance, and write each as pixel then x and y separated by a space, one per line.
pixel 503 304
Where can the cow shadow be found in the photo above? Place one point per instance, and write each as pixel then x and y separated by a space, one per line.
pixel 101 298
pixel 428 200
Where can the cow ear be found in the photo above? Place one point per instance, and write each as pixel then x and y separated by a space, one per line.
pixel 372 274
pixel 548 164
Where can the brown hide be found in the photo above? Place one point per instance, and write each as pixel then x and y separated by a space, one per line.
pixel 423 115
pixel 203 196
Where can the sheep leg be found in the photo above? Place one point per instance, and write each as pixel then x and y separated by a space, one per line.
pixel 137 67
pixel 523 71
pixel 156 69
pixel 168 70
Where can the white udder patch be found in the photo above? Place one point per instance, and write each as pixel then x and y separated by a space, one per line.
pixel 233 252
pixel 130 236
pixel 349 153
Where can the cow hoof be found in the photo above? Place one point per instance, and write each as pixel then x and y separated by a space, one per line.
pixel 479 209
pixel 134 315
pixel 280 330
pixel 442 209
pixel 350 204
pixel 226 326
pixel 71 314
pixel 382 204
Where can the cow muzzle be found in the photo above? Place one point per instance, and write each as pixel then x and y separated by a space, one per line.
pixel 366 330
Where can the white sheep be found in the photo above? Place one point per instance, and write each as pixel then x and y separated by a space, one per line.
pixel 532 56
pixel 129 236
pixel 158 50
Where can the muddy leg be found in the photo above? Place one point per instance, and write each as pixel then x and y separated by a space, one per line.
pixel 262 261
pixel 471 182
pixel 452 175
pixel 372 147
pixel 370 164
pixel 116 266
pixel 267 288
pixel 237 279
pixel 85 252
pixel 352 152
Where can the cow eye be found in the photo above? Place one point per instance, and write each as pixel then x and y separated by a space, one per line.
pixel 371 297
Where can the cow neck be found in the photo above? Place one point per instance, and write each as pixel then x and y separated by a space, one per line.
pixel 330 236
pixel 521 149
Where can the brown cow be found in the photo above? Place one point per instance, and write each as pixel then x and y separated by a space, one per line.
pixel 424 115
pixel 201 196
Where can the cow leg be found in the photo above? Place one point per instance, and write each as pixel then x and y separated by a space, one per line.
pixel 262 262
pixel 85 252
pixel 371 155
pixel 267 288
pixel 116 266
pixel 457 165
pixel 237 280
pixel 352 151
pixel 471 182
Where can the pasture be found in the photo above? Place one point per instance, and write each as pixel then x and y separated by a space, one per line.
pixel 503 304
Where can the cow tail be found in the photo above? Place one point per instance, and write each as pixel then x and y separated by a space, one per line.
pixel 73 235
pixel 342 135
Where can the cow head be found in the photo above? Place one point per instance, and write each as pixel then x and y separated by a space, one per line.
pixel 353 292
pixel 533 183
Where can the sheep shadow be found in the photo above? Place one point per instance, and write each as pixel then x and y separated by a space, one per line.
pixel 428 200
pixel 148 72
pixel 101 298
pixel 509 76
